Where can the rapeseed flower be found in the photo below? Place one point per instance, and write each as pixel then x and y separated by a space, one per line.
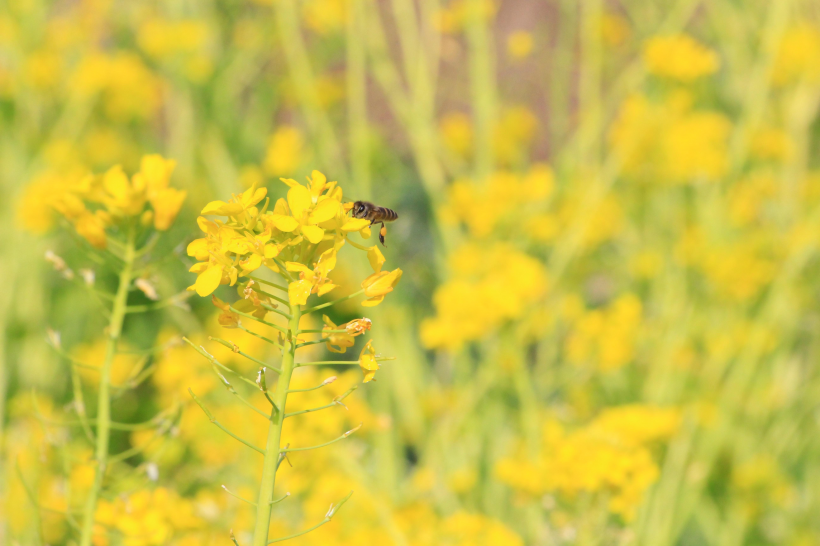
pixel 95 203
pixel 679 57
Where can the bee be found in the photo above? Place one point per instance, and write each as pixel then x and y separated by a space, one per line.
pixel 376 215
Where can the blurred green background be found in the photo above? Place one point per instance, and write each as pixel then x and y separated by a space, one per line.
pixel 609 229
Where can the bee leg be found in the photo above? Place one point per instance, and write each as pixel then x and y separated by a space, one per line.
pixel 382 233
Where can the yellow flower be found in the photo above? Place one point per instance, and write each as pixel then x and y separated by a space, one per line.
pixel 520 44
pixel 367 362
pixel 340 340
pixel 457 133
pixel 312 280
pixel 679 57
pixel 306 209
pixel 284 152
pixel 92 228
pixel 377 285
pixel 240 204
pixel 343 340
pixel 155 176
pixel 217 268
pixel 122 197
pixel 798 56
pixel 513 134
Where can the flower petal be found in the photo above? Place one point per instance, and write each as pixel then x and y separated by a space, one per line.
pixel 313 234
pixel 298 200
pixel 355 224
pixel 376 258
pixel 208 281
pixel 299 291
pixel 324 211
pixel 285 223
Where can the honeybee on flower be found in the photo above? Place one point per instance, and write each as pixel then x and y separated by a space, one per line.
pixel 300 236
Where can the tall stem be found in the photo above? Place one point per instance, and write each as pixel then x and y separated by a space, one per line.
pixel 104 400
pixel 277 417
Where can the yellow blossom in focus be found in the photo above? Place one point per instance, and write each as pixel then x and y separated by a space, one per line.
pixel 378 285
pixel 337 342
pixel 367 362
pixel 679 57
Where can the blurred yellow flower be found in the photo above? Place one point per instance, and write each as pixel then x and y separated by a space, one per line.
pixel 671 142
pixel 798 56
pixel 284 151
pixel 679 57
pixel 605 456
pixel 606 338
pixel 615 29
pixel 457 133
pixel 325 16
pixel 490 285
pixel 513 134
pixel 520 44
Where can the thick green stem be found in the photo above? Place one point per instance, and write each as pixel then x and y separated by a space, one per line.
pixel 104 400
pixel 277 417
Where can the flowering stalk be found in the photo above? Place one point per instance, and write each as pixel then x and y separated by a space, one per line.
pixel 104 398
pixel 277 419
pixel 299 239
pixel 138 207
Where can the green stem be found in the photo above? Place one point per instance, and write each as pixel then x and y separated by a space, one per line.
pixel 333 441
pixel 334 302
pixel 328 517
pixel 277 417
pixel 104 400
pixel 273 284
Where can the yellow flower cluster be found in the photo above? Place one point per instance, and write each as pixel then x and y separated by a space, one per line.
pixel 456 16
pixel 490 285
pixel 127 88
pixel 679 57
pixel 285 151
pixel 608 455
pixel 670 142
pixel 94 203
pixel 737 269
pixel 798 57
pixel 606 338
pixel 302 235
pixel 501 199
pixel 513 134
pixel 146 517
pixel 184 41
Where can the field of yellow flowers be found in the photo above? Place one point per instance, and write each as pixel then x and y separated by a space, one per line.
pixel 595 322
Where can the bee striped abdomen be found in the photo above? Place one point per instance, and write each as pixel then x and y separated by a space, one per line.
pixel 388 215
